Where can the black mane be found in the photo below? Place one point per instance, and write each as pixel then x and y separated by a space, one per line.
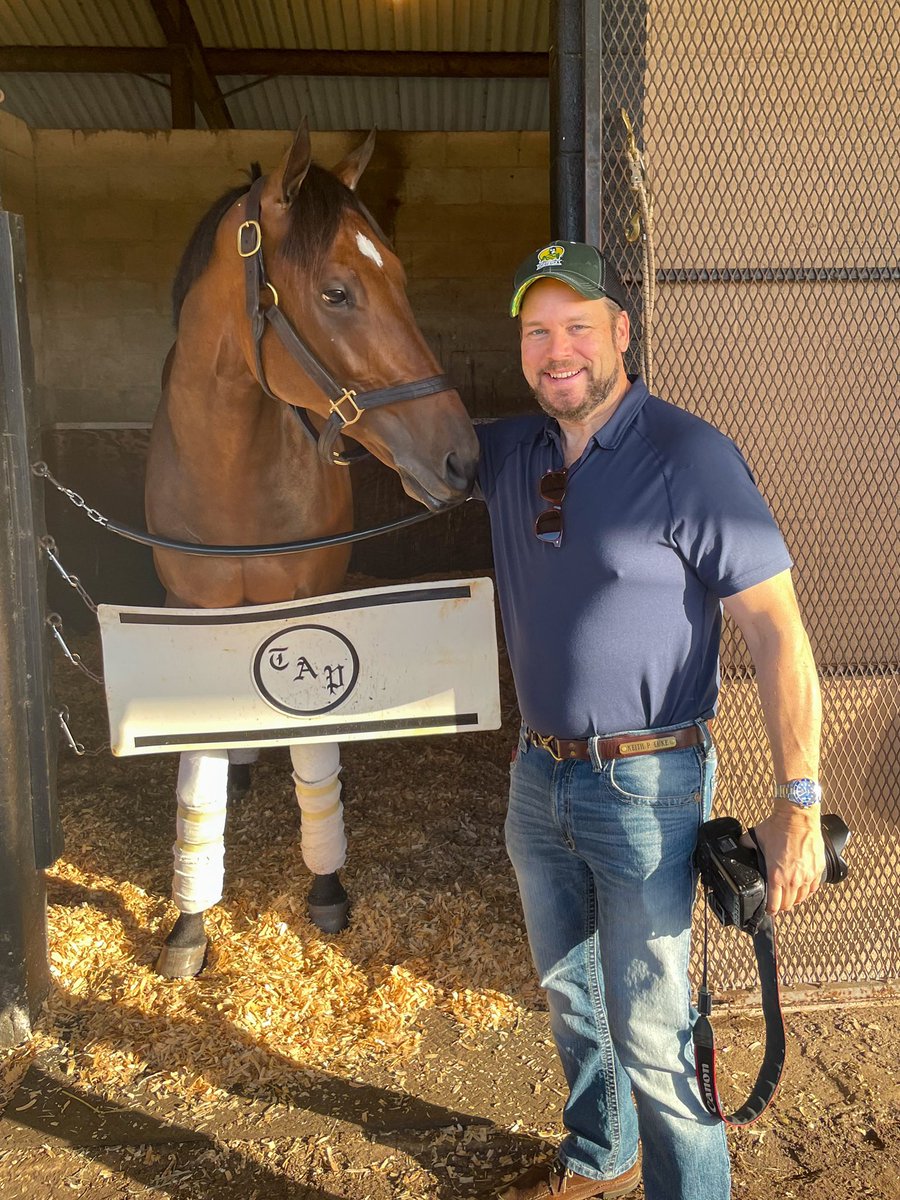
pixel 315 217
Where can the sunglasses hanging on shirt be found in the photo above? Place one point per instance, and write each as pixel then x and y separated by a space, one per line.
pixel 549 524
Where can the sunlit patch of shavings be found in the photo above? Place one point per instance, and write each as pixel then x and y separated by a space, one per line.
pixel 435 923
pixel 276 996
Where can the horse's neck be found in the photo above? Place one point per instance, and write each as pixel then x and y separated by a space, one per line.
pixel 214 404
pixel 229 464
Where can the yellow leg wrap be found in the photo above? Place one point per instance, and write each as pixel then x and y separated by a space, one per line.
pixel 199 849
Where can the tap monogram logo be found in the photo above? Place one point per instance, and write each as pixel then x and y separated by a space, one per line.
pixel 305 670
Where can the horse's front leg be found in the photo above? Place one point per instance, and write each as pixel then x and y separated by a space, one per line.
pixel 322 839
pixel 199 858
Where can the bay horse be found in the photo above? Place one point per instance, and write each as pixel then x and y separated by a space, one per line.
pixel 233 458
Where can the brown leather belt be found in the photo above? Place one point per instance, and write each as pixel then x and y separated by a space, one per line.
pixel 623 745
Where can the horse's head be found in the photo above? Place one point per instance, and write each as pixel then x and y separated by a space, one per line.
pixel 338 283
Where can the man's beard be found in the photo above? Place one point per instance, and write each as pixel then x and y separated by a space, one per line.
pixel 597 393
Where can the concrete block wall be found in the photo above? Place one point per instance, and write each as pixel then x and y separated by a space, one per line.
pixel 108 216
pixel 472 206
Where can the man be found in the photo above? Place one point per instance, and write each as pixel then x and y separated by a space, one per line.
pixel 621 525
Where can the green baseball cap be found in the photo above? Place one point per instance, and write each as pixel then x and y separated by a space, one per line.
pixel 581 266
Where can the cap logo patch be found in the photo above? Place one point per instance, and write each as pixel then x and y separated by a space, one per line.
pixel 550 256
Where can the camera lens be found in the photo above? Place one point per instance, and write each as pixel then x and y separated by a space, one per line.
pixel 835 834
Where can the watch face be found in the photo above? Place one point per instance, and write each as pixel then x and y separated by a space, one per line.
pixel 803 792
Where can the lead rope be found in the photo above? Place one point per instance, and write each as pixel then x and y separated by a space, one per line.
pixel 639 227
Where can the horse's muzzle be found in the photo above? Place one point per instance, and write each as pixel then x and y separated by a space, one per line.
pixel 438 490
pixel 459 473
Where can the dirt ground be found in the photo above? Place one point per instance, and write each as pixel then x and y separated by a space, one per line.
pixel 406 1058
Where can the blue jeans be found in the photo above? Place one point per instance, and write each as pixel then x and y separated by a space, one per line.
pixel 602 852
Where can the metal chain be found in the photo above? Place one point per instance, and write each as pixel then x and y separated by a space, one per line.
pixel 48 545
pixel 55 622
pixel 43 472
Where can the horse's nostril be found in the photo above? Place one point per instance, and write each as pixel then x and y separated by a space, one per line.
pixel 460 472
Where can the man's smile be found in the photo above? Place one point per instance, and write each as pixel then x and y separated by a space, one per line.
pixel 562 376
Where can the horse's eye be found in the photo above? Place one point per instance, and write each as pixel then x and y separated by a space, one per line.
pixel 334 296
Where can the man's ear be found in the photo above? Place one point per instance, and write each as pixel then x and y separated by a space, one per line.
pixel 622 331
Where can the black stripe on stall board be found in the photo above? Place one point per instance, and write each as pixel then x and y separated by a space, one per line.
pixel 462 592
pixel 446 720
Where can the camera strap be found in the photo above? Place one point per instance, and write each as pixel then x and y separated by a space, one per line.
pixel 773 1056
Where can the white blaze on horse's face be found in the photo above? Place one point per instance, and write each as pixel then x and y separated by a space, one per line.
pixel 369 249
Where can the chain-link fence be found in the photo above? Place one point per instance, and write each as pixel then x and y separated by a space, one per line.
pixel 770 131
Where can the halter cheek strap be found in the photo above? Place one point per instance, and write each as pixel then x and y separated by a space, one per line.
pixel 346 405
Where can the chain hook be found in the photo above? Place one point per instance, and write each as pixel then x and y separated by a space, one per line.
pixel 54 620
pixel 48 545
pixel 63 718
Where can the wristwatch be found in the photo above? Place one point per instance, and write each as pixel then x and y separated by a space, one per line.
pixel 802 792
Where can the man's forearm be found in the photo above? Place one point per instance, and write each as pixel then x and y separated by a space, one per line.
pixel 788 686
pixel 786 677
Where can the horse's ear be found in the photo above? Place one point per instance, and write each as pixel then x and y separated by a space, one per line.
pixel 351 168
pixel 295 164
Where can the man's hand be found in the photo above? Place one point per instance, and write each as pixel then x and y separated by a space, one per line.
pixel 792 845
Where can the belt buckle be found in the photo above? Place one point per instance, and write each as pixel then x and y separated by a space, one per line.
pixel 545 742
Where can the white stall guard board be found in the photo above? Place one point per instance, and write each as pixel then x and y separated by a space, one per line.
pixel 401 661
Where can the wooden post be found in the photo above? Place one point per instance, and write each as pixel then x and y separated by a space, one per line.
pixel 181 82
pixel 30 836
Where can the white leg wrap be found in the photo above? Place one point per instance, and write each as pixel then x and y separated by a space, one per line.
pixel 241 757
pixel 200 848
pixel 322 840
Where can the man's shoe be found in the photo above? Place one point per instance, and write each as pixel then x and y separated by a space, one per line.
pixel 543 1183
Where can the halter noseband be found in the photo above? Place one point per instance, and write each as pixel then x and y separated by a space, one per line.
pixel 345 405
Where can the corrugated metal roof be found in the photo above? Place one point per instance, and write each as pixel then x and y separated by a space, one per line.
pixel 332 103
pixel 504 25
pixel 62 23
pixel 87 101
pixel 93 101
pixel 336 103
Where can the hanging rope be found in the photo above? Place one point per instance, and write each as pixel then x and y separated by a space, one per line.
pixel 639 227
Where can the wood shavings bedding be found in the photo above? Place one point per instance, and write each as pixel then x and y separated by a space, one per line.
pixel 435 921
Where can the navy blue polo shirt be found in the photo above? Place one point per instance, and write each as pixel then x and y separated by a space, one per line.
pixel 619 627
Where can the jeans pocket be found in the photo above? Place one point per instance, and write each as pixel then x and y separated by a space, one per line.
pixel 670 778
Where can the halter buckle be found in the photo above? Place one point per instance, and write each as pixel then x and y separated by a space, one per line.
pixel 334 406
pixel 255 226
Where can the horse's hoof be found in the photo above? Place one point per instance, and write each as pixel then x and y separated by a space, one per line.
pixel 328 904
pixel 181 962
pixel 238 781
pixel 330 918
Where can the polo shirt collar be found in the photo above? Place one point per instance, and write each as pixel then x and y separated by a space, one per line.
pixel 611 434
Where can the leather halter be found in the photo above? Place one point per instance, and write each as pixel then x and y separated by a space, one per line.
pixel 346 405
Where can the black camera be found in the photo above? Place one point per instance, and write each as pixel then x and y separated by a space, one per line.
pixel 731 873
